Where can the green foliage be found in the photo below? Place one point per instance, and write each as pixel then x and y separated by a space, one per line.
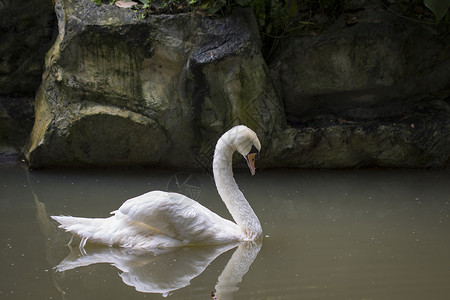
pixel 278 19
pixel 438 7
pixel 276 15
pixel 424 11
pixel 99 2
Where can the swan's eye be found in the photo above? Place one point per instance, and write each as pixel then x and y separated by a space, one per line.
pixel 254 151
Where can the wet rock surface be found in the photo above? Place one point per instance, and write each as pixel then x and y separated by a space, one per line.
pixel 371 91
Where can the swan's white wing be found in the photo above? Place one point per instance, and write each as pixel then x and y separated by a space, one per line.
pixel 178 217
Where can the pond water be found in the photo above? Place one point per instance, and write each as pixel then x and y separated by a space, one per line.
pixel 353 234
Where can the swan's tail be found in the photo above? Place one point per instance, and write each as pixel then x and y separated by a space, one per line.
pixel 82 227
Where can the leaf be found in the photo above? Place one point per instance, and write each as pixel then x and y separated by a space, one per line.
pixel 125 4
pixel 210 8
pixel 438 7
pixel 98 2
pixel 243 3
pixel 269 27
pixel 292 8
pixel 213 10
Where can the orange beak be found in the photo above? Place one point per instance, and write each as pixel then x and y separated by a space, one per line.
pixel 251 158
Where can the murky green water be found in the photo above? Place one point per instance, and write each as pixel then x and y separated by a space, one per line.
pixel 360 234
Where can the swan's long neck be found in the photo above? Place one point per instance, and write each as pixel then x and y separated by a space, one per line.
pixel 233 198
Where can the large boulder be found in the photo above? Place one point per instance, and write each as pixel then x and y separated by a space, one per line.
pixel 413 136
pixel 372 90
pixel 368 58
pixel 121 90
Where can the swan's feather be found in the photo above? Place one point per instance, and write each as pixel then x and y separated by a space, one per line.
pixel 179 217
pixel 155 220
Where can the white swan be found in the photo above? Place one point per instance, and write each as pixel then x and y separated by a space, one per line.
pixel 161 220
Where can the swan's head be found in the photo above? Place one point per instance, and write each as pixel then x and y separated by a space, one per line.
pixel 244 140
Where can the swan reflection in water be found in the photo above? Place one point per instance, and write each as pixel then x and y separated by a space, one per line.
pixel 179 227
pixel 169 271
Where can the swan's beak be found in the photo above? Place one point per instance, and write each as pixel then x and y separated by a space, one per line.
pixel 251 158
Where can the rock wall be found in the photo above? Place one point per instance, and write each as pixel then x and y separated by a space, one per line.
pixel 372 91
pixel 26 32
